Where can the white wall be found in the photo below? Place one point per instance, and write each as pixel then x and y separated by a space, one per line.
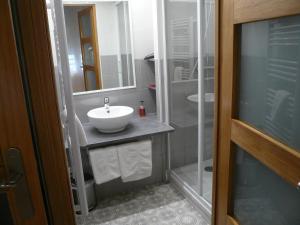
pixel 107 28
pixel 142 19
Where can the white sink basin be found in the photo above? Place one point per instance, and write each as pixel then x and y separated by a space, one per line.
pixel 208 97
pixel 193 98
pixel 110 122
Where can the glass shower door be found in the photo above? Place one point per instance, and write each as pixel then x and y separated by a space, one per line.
pixel 182 59
pixel 190 55
pixel 207 8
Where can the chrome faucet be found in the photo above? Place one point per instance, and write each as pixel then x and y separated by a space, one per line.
pixel 106 104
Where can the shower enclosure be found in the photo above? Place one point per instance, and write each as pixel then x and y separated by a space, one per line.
pixel 189 28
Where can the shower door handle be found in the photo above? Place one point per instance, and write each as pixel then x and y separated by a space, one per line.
pixel 14 183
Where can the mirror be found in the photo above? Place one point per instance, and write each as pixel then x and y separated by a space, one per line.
pixel 99 36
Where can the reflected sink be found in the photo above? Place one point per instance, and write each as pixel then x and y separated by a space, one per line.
pixel 193 98
pixel 208 97
pixel 112 121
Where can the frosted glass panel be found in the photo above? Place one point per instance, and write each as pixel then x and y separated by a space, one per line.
pixel 269 78
pixel 91 80
pixel 260 196
pixel 88 54
pixel 86 25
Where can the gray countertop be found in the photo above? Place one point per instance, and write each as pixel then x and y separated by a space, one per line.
pixel 137 128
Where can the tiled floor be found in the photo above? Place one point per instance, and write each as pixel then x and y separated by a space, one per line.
pixel 189 174
pixel 154 205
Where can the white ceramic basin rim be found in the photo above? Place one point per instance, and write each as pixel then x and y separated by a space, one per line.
pixel 114 120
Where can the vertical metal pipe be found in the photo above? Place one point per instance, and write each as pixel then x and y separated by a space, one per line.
pixel 165 89
pixel 68 91
pixel 200 95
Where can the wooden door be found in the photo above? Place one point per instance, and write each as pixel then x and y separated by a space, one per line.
pixel 258 80
pixel 89 48
pixel 21 199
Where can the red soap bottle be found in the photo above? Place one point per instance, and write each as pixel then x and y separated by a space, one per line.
pixel 142 110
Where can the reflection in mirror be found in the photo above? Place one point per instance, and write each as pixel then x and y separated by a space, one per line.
pixel 99 45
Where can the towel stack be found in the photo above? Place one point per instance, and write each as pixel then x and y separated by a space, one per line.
pixel 79 128
pixel 131 162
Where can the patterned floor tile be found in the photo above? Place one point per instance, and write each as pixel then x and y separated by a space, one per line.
pixel 153 205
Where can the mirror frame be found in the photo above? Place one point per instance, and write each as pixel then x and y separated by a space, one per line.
pixel 91 2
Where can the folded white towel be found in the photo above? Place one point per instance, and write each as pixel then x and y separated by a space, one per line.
pixel 105 164
pixel 80 132
pixel 135 160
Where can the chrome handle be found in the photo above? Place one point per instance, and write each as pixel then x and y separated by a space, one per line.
pixel 298 186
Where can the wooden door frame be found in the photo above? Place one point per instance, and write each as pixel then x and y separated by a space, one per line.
pixel 228 17
pixel 16 130
pixel 94 41
pixel 37 56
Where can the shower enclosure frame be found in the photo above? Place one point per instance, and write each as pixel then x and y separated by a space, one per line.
pixel 195 197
